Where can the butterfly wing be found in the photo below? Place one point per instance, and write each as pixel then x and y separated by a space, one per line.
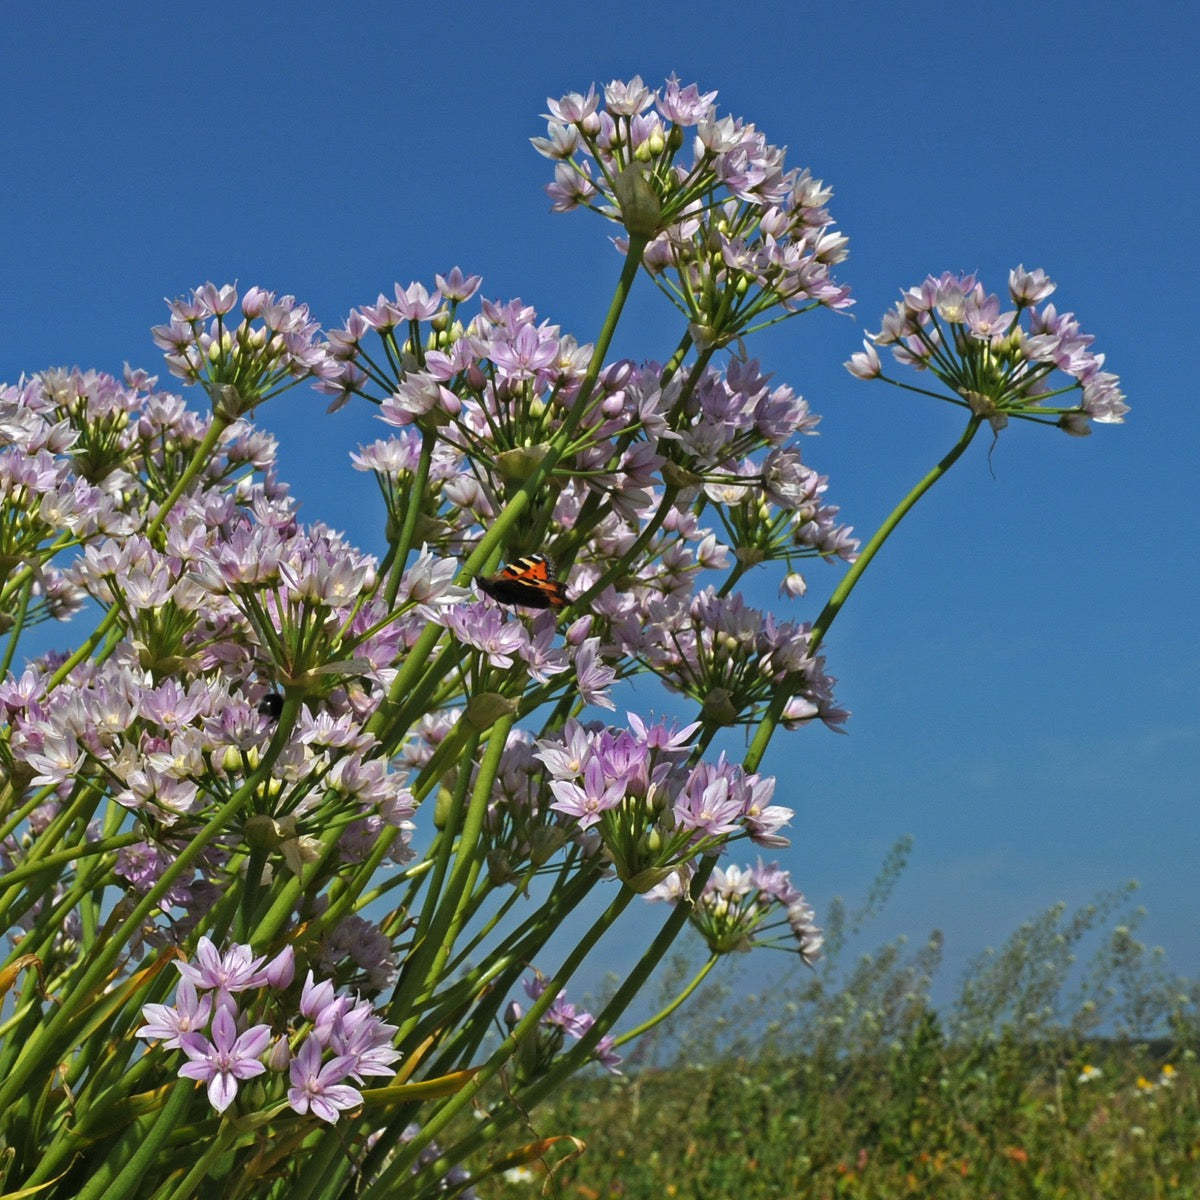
pixel 528 582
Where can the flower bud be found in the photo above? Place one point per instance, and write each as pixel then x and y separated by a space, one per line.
pixel 261 833
pixel 579 630
pixel 486 708
pixel 441 808
pixel 279 1057
pixel 641 209
pixel 793 585
pixel 281 970
pixel 643 881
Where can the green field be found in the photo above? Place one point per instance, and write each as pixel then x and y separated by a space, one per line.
pixel 1066 1067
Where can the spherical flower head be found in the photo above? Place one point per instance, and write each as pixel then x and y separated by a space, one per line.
pixel 742 234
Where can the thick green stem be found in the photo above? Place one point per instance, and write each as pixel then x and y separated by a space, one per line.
pixel 128 1181
pixel 850 579
pixel 18 624
pixel 412 511
pixel 428 957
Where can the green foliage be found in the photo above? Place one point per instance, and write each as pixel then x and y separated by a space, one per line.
pixel 1043 1078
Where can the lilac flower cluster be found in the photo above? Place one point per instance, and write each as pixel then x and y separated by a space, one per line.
pixel 738 907
pixel 476 414
pixel 248 733
pixel 240 365
pixel 170 751
pixel 561 1020
pixel 995 365
pixel 732 659
pixel 650 810
pixel 84 457
pixel 330 1039
pixel 732 233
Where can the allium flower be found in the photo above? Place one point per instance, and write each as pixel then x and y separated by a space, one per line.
pixel 319 1088
pixel 486 628
pixel 429 584
pixel 995 365
pixel 741 234
pixel 739 908
pixel 234 971
pixel 241 365
pixel 189 1014
pixel 586 800
pixel 226 1059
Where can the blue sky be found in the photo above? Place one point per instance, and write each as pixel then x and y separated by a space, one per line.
pixel 1021 661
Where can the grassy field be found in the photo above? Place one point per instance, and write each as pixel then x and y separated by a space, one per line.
pixel 1053 1074
pixel 922 1120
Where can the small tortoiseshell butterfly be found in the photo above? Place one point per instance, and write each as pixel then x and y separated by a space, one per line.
pixel 528 581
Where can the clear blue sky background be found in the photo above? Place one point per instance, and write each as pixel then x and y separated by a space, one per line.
pixel 1022 660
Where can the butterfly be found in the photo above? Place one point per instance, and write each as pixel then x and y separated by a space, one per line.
pixel 528 581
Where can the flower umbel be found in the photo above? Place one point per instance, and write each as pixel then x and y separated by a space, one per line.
pixel 998 364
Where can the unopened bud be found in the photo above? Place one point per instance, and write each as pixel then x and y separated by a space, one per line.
pixel 641 209
pixel 486 708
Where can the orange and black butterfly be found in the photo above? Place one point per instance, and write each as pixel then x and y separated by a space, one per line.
pixel 528 581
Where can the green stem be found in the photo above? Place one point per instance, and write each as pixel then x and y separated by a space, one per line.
pixel 18 624
pixel 447 921
pixel 662 1015
pixel 771 717
pixel 213 1152
pixel 20 874
pixel 127 1183
pixel 850 579
pixel 405 1156
pixel 412 511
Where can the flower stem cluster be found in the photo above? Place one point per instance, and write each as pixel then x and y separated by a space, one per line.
pixel 738 907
